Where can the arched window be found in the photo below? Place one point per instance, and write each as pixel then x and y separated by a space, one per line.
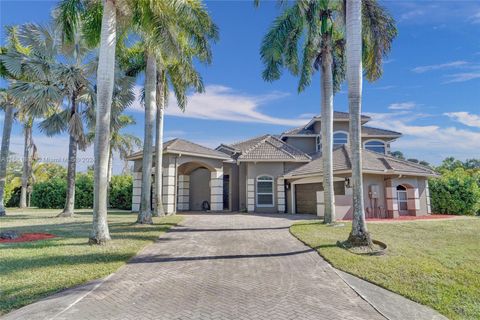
pixel 375 146
pixel 402 198
pixel 340 138
pixel 264 191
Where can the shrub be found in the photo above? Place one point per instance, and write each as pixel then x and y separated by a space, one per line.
pixel 12 195
pixel 121 192
pixel 49 194
pixel 455 192
pixel 84 190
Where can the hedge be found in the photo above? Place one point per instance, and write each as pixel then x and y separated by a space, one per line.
pixel 455 192
pixel 51 194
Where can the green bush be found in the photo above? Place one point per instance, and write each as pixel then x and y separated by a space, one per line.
pixel 12 195
pixel 49 194
pixel 84 190
pixel 121 192
pixel 455 192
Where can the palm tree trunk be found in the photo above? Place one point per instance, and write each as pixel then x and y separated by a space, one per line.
pixel 68 211
pixel 105 79
pixel 109 178
pixel 69 208
pixel 7 131
pixel 145 214
pixel 159 211
pixel 359 235
pixel 26 162
pixel 327 129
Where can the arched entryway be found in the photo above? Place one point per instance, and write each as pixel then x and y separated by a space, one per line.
pixel 199 183
pixel 402 200
pixel 407 199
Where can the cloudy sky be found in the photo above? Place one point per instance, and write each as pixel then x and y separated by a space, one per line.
pixel 430 90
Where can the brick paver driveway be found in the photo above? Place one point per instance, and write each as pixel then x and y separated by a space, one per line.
pixel 216 266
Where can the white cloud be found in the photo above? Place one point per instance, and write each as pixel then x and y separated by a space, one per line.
pixel 415 13
pixel 225 104
pixel 475 18
pixel 468 119
pixel 402 106
pixel 462 77
pixel 448 65
pixel 432 143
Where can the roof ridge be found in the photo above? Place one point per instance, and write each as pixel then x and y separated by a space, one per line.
pixel 265 137
pixel 410 163
pixel 245 140
pixel 282 150
pixel 293 148
pixel 381 129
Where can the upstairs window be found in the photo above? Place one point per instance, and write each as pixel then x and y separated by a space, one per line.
pixel 318 143
pixel 340 138
pixel 375 146
pixel 265 191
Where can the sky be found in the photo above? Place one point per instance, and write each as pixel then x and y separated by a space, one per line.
pixel 430 89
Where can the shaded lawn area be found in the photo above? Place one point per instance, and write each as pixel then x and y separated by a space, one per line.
pixel 436 263
pixel 31 270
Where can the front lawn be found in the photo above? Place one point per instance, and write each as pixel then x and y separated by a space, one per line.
pixel 436 263
pixel 31 270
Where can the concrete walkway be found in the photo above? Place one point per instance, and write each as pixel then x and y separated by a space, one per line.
pixel 215 266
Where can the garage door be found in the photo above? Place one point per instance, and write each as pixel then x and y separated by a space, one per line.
pixel 306 197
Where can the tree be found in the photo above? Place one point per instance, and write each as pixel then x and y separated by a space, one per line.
pixel 172 39
pixel 397 154
pixel 369 32
pixel 7 104
pixel 58 72
pixel 322 49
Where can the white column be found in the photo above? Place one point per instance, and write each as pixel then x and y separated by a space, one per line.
pixel 281 195
pixel 320 203
pixel 392 201
pixel 250 195
pixel 216 190
pixel 183 193
pixel 427 193
pixel 168 193
pixel 136 191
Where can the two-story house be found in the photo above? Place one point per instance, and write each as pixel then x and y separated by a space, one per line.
pixel 283 174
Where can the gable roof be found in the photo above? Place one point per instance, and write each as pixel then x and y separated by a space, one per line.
pixel 366 132
pixel 269 148
pixel 181 146
pixel 372 162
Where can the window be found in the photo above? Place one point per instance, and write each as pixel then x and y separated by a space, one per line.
pixel 340 138
pixel 318 142
pixel 265 191
pixel 375 146
pixel 402 198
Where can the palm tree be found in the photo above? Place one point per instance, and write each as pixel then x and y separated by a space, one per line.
pixel 322 49
pixel 8 105
pixel 377 34
pixel 58 73
pixel 174 35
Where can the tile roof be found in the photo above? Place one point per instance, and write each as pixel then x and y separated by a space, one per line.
pixel 371 161
pixel 269 148
pixel 371 131
pixel 244 145
pixel 184 146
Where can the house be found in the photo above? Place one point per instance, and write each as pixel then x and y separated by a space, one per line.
pixel 283 174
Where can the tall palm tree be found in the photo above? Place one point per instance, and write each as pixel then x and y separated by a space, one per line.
pixel 375 37
pixel 8 105
pixel 310 22
pixel 59 73
pixel 172 35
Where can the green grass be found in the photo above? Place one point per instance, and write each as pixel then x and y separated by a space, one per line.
pixel 436 263
pixel 31 270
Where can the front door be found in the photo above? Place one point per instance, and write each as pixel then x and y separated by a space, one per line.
pixel 402 200
pixel 226 192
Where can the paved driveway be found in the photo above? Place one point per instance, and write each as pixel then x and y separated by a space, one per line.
pixel 215 266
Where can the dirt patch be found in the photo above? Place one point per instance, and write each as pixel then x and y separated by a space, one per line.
pixel 27 237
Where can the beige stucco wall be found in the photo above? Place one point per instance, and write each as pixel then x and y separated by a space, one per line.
pixel 199 188
pixel 305 144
